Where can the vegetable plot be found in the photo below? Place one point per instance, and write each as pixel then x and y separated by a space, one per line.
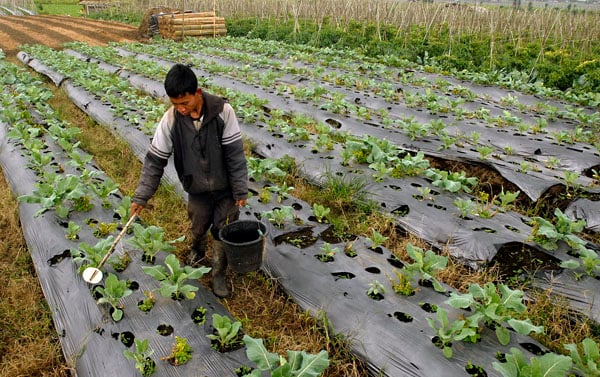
pixel 98 325
pixel 356 297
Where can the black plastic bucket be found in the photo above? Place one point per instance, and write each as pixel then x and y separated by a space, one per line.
pixel 244 242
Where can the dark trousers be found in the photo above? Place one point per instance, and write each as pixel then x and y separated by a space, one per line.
pixel 211 210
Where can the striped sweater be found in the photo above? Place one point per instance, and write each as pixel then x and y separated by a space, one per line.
pixel 208 158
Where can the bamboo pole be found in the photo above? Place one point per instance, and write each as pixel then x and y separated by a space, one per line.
pixel 197 21
pixel 196 33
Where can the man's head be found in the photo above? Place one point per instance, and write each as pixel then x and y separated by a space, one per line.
pixel 181 86
pixel 180 80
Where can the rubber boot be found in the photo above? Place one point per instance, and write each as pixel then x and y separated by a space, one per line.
pixel 219 270
pixel 197 256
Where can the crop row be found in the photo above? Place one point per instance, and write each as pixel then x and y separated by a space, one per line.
pixel 375 288
pixel 481 206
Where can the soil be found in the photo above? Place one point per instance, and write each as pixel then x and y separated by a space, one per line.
pixel 53 31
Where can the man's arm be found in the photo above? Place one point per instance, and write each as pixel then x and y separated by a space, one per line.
pixel 235 160
pixel 155 161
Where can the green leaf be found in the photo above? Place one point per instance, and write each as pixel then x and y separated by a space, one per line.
pixel 570 264
pixel 525 327
pixel 460 300
pixel 503 335
pixel 157 272
pixel 256 352
pixel 117 314
pixel 447 351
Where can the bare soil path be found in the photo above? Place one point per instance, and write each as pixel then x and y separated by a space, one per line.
pixel 55 30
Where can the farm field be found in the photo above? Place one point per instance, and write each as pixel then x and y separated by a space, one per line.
pixel 457 165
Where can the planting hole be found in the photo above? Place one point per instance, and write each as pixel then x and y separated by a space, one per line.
pixel 373 270
pixel 343 275
pixel 59 257
pixel 475 370
pixel 334 123
pixel 484 229
pixel 127 338
pixel 402 210
pixel 397 188
pixel 403 317
pixel 438 342
pixel 324 258
pixel 512 228
pixel 394 261
pixel 199 316
pixel 133 285
pixel 164 329
pixel 533 348
pixel 429 308
pixel 377 250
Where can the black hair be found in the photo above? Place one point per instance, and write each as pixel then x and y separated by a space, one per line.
pixel 180 80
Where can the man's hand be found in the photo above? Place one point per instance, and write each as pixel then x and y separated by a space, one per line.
pixel 135 209
pixel 241 202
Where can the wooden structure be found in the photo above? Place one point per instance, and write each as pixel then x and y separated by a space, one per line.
pixel 179 25
pixel 90 6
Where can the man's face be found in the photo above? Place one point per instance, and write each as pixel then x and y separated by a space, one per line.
pixel 187 103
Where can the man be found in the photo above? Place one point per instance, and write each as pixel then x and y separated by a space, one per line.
pixel 203 134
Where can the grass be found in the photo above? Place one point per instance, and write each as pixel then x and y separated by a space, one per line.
pixel 67 9
pixel 29 345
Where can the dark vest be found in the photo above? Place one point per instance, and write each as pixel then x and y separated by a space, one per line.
pixel 198 155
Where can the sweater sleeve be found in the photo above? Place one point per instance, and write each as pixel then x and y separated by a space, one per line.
pixel 233 151
pixel 155 161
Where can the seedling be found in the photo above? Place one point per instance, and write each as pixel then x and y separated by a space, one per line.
pixel 447 331
pixel 484 151
pixel 588 360
pixel 148 302
pixel 143 363
pixel 298 363
pixel 104 229
pixel 259 168
pixel 227 336
pixel 550 364
pixel 283 191
pixel 121 262
pixel 403 286
pixel 452 182
pixel 55 193
pixel 321 212
pixel 426 264
pixel 112 292
pixel 104 189
pixel 376 290
pixel 151 241
pixel 172 278
pixel 181 352
pixel 377 239
pixel 328 252
pixel 123 210
pixel 465 206
pixel 506 199
pixel 72 231
pixel 91 256
pixel 588 259
pixel 279 216
pixel 265 195
pixel 493 306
